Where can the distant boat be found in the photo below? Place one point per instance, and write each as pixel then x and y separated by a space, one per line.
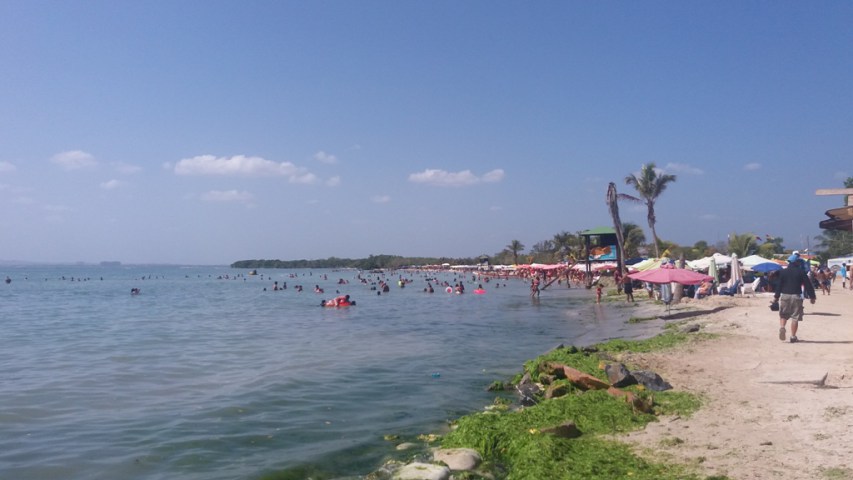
pixel 253 272
pixel 112 263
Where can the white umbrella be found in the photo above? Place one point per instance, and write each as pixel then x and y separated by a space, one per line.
pixel 737 276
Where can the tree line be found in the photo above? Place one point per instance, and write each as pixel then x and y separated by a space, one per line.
pixel 649 184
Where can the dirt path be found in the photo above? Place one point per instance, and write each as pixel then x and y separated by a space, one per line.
pixel 774 410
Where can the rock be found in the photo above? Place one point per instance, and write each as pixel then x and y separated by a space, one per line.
pixel 406 446
pixel 422 471
pixel 619 375
pixel 566 430
pixel 651 380
pixel 458 458
pixel 547 379
pixel 555 391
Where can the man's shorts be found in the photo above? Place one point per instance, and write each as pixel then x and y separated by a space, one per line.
pixel 791 306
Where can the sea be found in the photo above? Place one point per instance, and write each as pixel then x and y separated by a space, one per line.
pixel 210 373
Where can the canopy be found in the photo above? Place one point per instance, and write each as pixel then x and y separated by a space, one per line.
pixel 844 260
pixel 704 263
pixel 670 275
pixel 648 264
pixel 752 260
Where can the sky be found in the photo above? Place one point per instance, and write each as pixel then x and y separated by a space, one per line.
pixel 210 132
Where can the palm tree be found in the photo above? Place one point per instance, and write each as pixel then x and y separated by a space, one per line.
pixel 634 238
pixel 650 185
pixel 563 242
pixel 515 247
pixel 742 244
pixel 613 205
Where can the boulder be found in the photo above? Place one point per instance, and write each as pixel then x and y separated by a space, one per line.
pixel 582 380
pixel 458 458
pixel 556 391
pixel 651 380
pixel 422 471
pixel 619 375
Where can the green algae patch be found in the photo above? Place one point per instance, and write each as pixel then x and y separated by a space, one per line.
pixel 516 440
pixel 519 441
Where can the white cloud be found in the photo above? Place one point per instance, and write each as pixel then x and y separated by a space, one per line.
pixel 6 167
pixel 683 168
pixel 126 168
pixel 333 182
pixel 496 208
pixel 224 196
pixel 326 158
pixel 23 200
pixel 112 184
pixel 751 167
pixel 443 178
pixel 380 199
pixel 74 160
pixel 242 165
pixel 709 216
pixel 494 176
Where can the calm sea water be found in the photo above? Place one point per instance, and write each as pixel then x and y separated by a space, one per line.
pixel 203 377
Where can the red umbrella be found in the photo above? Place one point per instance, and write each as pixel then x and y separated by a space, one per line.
pixel 671 275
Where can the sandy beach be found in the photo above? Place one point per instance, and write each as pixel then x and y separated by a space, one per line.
pixel 772 409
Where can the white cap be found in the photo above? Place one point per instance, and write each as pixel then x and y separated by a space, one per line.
pixel 796 252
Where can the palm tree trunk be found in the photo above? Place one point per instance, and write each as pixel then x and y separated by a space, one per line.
pixel 612 202
pixel 651 219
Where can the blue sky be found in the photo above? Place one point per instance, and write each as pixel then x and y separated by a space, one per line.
pixel 209 132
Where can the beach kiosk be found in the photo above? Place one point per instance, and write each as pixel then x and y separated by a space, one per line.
pixel 600 245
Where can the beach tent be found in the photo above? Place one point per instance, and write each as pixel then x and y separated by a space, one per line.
pixel 845 260
pixel 752 260
pixel 648 264
pixel 704 263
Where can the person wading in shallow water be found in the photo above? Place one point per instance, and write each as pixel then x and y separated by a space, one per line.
pixel 793 284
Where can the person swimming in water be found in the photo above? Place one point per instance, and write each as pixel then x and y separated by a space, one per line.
pixel 339 301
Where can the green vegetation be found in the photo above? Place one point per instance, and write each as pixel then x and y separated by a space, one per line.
pixel 837 473
pixel 370 263
pixel 514 441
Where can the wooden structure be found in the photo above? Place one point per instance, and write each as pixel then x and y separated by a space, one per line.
pixel 839 218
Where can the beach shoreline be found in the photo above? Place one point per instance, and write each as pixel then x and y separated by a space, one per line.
pixel 771 409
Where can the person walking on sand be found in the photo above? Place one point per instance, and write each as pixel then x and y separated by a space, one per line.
pixel 793 284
